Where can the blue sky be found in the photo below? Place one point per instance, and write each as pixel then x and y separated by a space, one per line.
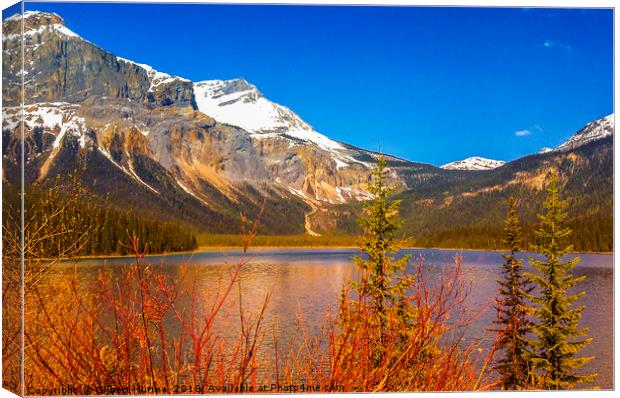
pixel 432 84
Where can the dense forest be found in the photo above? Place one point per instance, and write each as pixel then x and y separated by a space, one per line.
pixel 112 228
pixel 52 212
pixel 590 234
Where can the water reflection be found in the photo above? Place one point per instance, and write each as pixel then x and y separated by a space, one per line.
pixel 307 282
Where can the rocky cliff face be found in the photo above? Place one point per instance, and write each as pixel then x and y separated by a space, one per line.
pixel 87 108
pixel 61 66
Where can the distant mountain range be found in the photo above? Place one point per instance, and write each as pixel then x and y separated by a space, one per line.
pixel 593 131
pixel 202 152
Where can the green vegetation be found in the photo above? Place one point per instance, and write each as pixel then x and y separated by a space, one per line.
pixel 465 210
pixel 513 320
pixel 112 227
pixel 593 234
pixel 556 327
pixel 66 209
pixel 538 336
pixel 590 234
pixel 384 281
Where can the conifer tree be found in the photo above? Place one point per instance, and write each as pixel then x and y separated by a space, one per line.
pixel 512 309
pixel 383 282
pixel 558 337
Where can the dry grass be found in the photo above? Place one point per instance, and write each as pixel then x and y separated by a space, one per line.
pixel 112 335
pixel 117 334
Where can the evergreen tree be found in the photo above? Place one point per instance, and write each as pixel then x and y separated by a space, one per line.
pixel 383 281
pixel 558 337
pixel 512 310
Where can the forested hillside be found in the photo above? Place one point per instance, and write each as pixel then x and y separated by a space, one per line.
pixel 54 212
pixel 468 212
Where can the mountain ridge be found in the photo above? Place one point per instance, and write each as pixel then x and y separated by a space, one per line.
pixel 185 150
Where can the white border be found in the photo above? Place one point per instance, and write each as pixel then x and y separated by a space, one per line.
pixel 479 3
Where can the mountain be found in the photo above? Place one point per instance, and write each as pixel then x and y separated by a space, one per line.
pixel 473 163
pixel 239 103
pixel 467 212
pixel 593 131
pixel 201 153
pixel 141 140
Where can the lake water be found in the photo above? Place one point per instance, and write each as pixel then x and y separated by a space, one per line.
pixel 307 283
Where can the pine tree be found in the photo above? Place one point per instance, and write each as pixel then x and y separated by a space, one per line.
pixel 512 310
pixel 558 337
pixel 383 282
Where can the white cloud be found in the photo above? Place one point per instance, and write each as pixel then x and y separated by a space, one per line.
pixel 522 133
pixel 556 44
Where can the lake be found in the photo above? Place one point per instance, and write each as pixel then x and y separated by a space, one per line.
pixel 307 283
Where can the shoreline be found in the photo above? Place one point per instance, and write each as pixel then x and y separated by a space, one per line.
pixel 202 249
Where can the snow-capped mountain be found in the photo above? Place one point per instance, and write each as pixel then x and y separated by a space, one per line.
pixel 473 163
pixel 52 22
pixel 220 147
pixel 595 130
pixel 239 103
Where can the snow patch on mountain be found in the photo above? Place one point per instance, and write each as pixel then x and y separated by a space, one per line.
pixel 156 77
pixel 57 28
pixel 473 163
pixel 345 193
pixel 28 14
pixel 131 172
pixel 183 187
pixel 593 131
pixel 51 116
pixel 545 150
pixel 239 103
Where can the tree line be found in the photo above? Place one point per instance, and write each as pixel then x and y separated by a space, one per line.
pixel 112 228
pixel 65 212
pixel 590 234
